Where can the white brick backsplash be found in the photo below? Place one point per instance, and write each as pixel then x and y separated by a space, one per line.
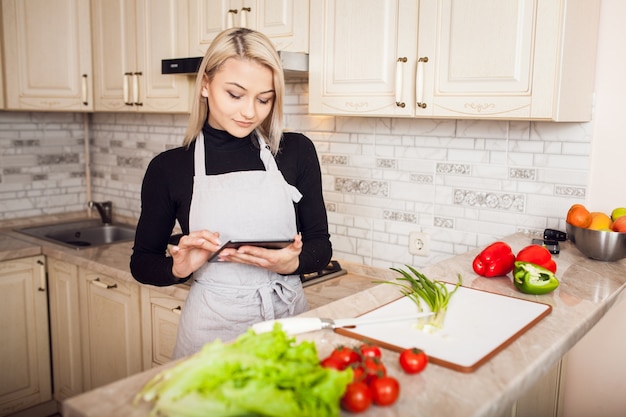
pixel 465 182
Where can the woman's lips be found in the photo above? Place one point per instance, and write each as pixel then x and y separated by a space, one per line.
pixel 243 124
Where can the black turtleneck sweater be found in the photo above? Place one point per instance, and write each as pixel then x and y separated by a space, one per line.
pixel 168 185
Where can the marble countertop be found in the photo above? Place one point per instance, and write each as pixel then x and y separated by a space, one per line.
pixel 588 290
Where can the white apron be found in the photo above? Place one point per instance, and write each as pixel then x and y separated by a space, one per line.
pixel 225 298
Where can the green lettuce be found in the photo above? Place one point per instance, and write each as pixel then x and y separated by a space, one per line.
pixel 265 374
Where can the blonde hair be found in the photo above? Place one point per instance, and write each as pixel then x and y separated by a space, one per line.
pixel 239 43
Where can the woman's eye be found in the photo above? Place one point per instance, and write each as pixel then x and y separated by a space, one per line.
pixel 236 97
pixel 264 101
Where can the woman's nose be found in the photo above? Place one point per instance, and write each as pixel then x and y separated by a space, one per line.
pixel 248 109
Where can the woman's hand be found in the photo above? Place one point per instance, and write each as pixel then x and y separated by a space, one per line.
pixel 193 251
pixel 282 261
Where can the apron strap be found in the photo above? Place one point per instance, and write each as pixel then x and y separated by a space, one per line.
pixel 198 156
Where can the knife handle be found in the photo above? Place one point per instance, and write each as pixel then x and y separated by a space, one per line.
pixel 291 325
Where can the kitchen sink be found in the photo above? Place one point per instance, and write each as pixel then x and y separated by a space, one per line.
pixel 81 234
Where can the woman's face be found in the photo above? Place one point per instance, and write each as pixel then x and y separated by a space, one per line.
pixel 240 96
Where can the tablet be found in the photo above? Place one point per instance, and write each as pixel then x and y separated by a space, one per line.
pixel 267 244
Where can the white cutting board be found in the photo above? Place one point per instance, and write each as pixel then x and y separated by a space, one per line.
pixel 478 324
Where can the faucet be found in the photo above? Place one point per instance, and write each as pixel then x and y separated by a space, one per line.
pixel 105 209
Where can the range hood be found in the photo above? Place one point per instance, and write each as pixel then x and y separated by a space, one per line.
pixel 295 64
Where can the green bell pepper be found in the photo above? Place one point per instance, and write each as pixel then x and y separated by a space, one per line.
pixel 531 278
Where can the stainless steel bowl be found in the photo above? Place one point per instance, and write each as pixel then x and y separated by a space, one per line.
pixel 597 244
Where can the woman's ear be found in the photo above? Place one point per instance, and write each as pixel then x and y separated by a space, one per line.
pixel 204 91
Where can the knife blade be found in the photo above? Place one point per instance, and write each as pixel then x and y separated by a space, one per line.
pixel 298 325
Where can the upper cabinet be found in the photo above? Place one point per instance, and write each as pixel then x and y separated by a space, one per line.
pixel 285 22
pixel 522 59
pixel 47 54
pixel 130 39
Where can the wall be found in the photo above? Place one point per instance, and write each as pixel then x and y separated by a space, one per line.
pixel 594 373
pixel 41 163
pixel 464 182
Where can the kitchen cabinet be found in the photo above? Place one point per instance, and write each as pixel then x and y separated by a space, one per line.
pixel 47 51
pixel 25 380
pixel 65 319
pixel 130 39
pixel 160 316
pixel 543 398
pixel 524 59
pixel 1 67
pixel 110 328
pixel 285 22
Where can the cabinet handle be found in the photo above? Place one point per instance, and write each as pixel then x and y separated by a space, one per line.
pixel 84 90
pixel 42 276
pixel 419 82
pixel 104 285
pixel 177 310
pixel 126 88
pixel 244 16
pixel 400 81
pixel 136 76
pixel 230 18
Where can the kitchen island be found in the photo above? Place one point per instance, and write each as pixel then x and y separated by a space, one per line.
pixel 587 291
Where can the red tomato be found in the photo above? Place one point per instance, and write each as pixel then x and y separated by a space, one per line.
pixel 333 363
pixel 358 373
pixel 374 368
pixel 385 390
pixel 370 351
pixel 345 355
pixel 357 398
pixel 413 360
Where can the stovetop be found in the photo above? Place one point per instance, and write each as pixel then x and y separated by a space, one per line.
pixel 332 270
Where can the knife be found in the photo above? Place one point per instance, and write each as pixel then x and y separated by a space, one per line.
pixel 297 325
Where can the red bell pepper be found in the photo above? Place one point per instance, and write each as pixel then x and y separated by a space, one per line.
pixel 537 255
pixel 495 260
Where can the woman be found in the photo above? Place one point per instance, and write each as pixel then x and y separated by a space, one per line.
pixel 236 177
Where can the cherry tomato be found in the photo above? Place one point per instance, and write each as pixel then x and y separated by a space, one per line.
pixel 374 368
pixel 358 373
pixel 345 355
pixel 333 363
pixel 370 351
pixel 413 360
pixel 357 398
pixel 385 390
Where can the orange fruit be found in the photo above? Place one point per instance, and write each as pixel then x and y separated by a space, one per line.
pixel 600 221
pixel 579 216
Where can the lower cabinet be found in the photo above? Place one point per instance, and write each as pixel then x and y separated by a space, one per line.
pixel 542 399
pixel 96 329
pixel 110 328
pixel 67 356
pixel 160 317
pixel 25 380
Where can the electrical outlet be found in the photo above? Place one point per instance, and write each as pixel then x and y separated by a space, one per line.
pixel 419 243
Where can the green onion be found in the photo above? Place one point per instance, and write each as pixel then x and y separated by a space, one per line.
pixel 421 289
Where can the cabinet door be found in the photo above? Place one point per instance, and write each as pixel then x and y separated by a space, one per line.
pixel 110 328
pixel 114 54
pixel 65 329
pixel 480 58
pixel 1 72
pixel 285 22
pixel 363 57
pixel 160 317
pixel 161 31
pixel 49 46
pixel 25 380
pixel 131 37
